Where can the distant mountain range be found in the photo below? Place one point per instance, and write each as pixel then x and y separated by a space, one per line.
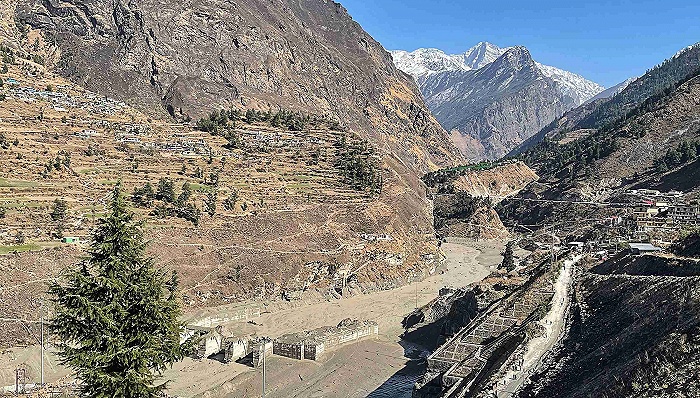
pixel 616 102
pixel 612 91
pixel 490 98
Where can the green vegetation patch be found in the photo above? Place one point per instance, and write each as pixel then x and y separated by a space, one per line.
pixel 5 183
pixel 19 248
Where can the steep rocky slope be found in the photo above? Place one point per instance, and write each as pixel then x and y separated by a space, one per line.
pixel 606 109
pixel 192 57
pixel 491 98
pixel 628 151
pixel 499 181
pixel 295 223
pixel 651 142
pixel 632 335
pixel 464 197
pixel 654 146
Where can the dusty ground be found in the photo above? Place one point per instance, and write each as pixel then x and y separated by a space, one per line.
pixel 349 371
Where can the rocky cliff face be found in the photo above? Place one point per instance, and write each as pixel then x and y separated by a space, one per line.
pixel 497 106
pixel 191 57
pixel 492 98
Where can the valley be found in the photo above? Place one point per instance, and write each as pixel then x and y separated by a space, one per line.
pixel 466 262
pixel 221 199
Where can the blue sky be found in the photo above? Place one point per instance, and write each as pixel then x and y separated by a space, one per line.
pixel 605 41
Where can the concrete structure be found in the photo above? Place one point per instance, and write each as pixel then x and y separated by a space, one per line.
pixel 290 348
pixel 311 344
pixel 214 340
pixel 685 214
pixel 457 362
pixel 208 340
pixel 304 345
pixel 235 348
pixel 262 348
pixel 578 246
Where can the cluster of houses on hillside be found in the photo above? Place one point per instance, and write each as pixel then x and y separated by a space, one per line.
pixel 182 146
pixel 653 220
pixel 179 143
pixel 62 101
pixel 660 212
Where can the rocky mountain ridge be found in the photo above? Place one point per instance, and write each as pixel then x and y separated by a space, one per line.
pixel 193 57
pixel 612 91
pixel 490 98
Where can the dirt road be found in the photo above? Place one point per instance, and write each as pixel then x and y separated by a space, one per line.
pixel 553 324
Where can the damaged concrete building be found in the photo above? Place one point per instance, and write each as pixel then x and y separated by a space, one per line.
pixel 311 344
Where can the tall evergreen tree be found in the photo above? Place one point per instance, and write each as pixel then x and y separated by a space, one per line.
pixel 58 214
pixel 116 315
pixel 210 202
pixel 166 190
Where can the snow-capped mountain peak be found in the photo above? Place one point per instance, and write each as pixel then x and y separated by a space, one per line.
pixel 482 54
pixel 424 62
pixel 573 85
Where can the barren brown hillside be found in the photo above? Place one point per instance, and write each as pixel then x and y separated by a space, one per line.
pixel 294 223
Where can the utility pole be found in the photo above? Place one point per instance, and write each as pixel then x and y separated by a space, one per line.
pixel 416 296
pixel 263 367
pixel 41 321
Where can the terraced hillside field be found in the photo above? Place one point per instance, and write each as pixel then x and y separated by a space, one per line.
pixel 276 215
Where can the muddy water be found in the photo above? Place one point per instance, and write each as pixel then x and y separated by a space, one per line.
pixel 400 385
pixel 468 262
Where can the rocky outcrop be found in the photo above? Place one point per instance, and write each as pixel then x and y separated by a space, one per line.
pixel 499 105
pixel 500 181
pixel 442 317
pixel 465 196
pixel 188 58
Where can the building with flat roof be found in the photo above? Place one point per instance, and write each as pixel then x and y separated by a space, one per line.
pixel 641 248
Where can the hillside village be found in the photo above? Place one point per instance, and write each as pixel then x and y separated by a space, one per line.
pixel 63 148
